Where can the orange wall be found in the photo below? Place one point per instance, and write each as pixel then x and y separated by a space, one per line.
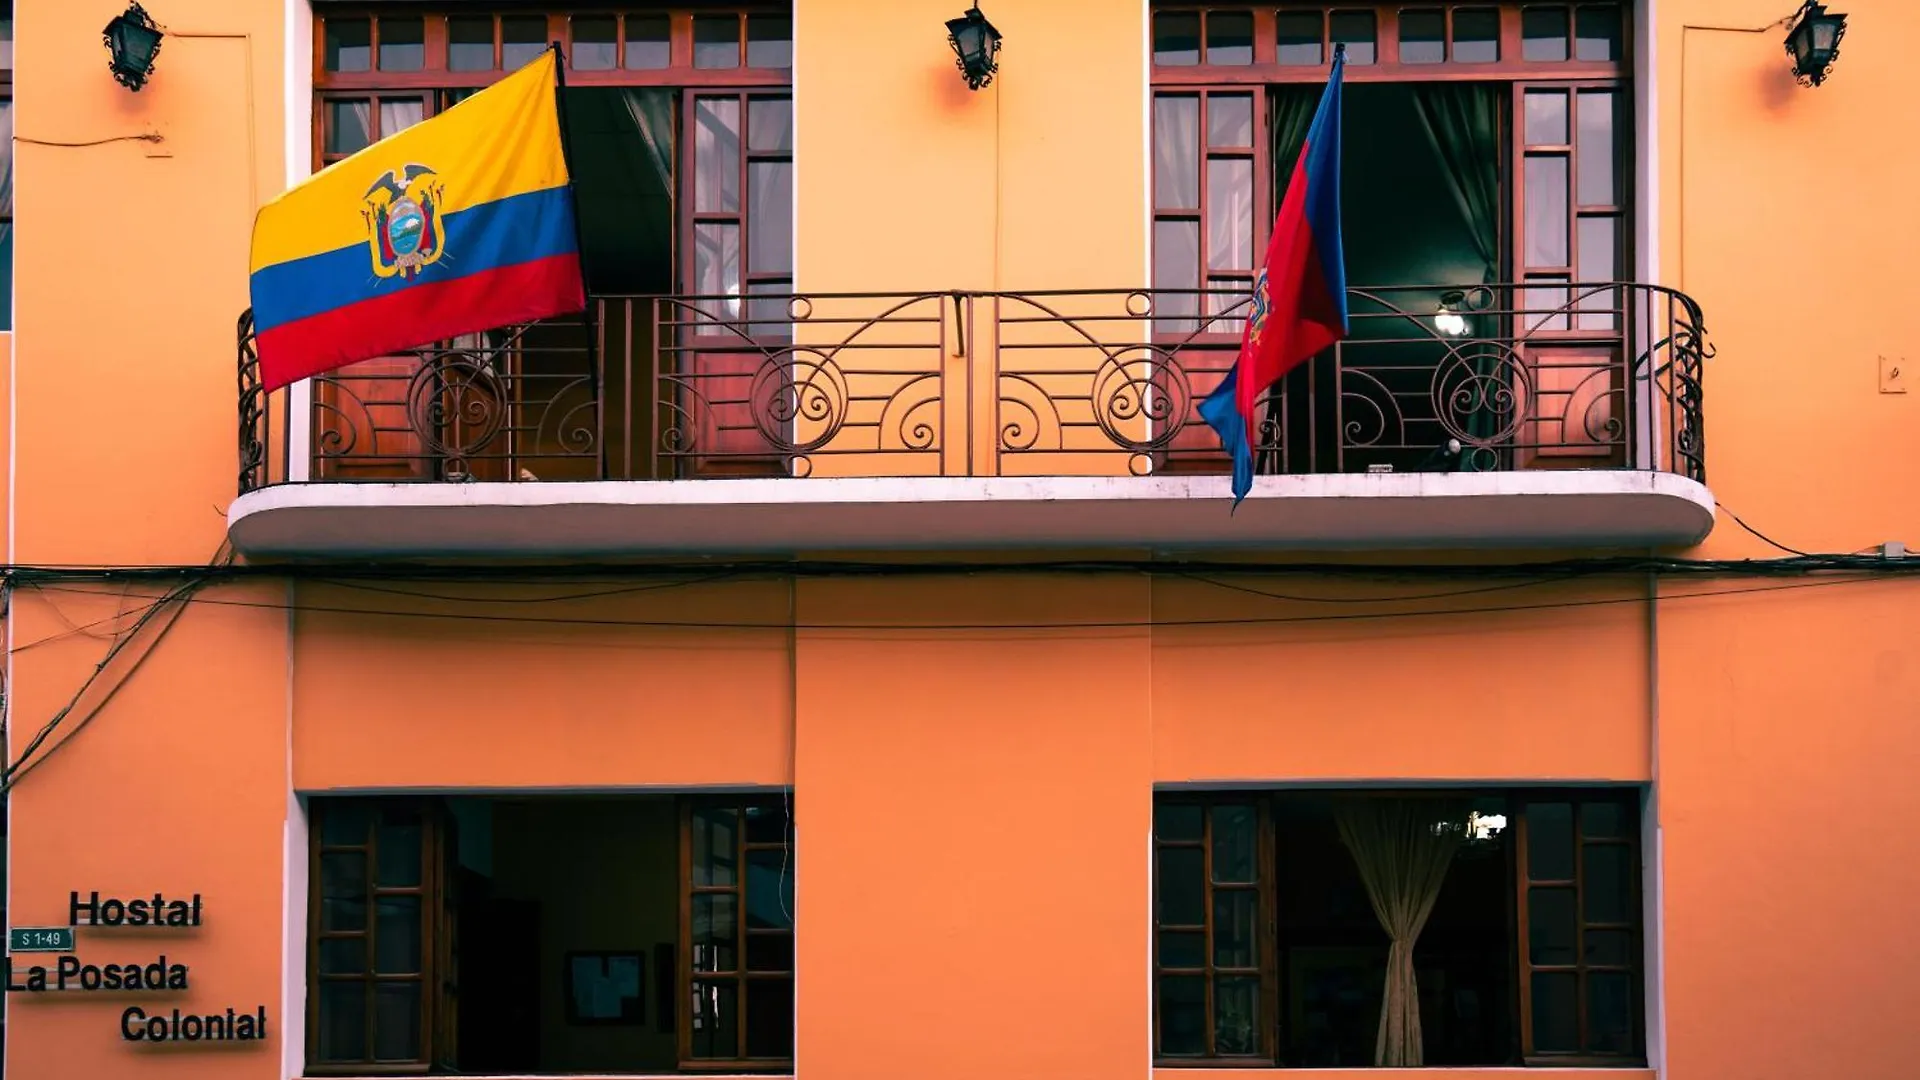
pixel 970 800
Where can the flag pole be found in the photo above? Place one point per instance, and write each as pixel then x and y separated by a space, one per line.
pixel 579 245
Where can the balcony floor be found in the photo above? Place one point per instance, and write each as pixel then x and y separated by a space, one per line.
pixel 1570 509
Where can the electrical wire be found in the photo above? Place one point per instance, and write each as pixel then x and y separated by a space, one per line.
pixel 1763 536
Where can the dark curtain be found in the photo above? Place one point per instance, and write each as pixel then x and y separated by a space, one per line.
pixel 1462 122
pixel 1289 114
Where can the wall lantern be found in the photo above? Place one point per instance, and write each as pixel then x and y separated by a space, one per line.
pixel 976 44
pixel 1448 319
pixel 133 40
pixel 1814 42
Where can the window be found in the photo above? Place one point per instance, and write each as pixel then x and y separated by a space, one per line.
pixel 6 164
pixel 1510 921
pixel 492 935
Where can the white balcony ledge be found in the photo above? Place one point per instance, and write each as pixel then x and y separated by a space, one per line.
pixel 1572 509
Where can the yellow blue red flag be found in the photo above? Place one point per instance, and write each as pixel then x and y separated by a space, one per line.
pixel 461 223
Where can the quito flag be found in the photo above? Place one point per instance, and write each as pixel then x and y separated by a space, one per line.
pixel 1300 297
pixel 458 224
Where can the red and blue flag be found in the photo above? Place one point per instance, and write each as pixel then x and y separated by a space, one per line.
pixel 1300 295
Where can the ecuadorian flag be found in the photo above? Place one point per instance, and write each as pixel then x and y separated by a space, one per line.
pixel 458 224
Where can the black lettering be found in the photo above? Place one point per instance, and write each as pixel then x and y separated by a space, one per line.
pixel 260 1032
pixel 136 913
pixel 243 1029
pixel 111 912
pixel 195 920
pixel 89 977
pixel 69 968
pixel 176 977
pixel 75 909
pixel 190 1028
pixel 178 914
pixel 36 978
pixel 157 1028
pixel 129 1024
pixel 155 974
pixel 12 986
pixel 113 976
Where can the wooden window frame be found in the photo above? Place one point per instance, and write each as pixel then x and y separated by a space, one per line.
pixel 1387 66
pixel 436 976
pixel 1260 154
pixel 742 975
pixel 1266 1053
pixel 1629 803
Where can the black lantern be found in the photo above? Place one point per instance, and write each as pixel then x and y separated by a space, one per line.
pixel 133 40
pixel 975 45
pixel 1814 42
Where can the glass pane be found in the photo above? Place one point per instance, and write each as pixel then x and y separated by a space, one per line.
pixel 770 209
pixel 1228 295
pixel 343 891
pixel 1183 1015
pixel 769 889
pixel 1599 245
pixel 399 115
pixel 1176 38
pixel 715 1020
pixel 1235 928
pixel 1608 885
pixel 522 39
pixel 1229 214
pixel 6 40
pixel 1550 841
pixel 1356 30
pixel 1546 210
pixel 396 1021
pixel 1229 37
pixel 344 823
pixel 1556 1011
pixel 768 825
pixel 648 45
pixel 398 843
pixel 769 41
pixel 1606 948
pixel 770 1018
pixel 1176 265
pixel 1602 818
pixel 1595 148
pixel 594 44
pixel 348 124
pixel 403 44
pixel 1236 1014
pixel 1476 35
pixel 1543 307
pixel 770 125
pixel 716 41
pixel 1176 152
pixel 469 43
pixel 1552 926
pixel 1183 948
pixel 1543 34
pixel 396 940
pixel 343 956
pixel 1546 118
pixel 1610 1012
pixel 1180 893
pixel 1177 821
pixel 349 45
pixel 716 157
pixel 1297 35
pixel 343 1021
pixel 716 273
pixel 1423 37
pixel 770 318
pixel 1236 838
pixel 715 931
pixel 769 952
pixel 1229 120
pixel 1597 33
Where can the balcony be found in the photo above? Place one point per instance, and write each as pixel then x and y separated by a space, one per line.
pixel 1524 415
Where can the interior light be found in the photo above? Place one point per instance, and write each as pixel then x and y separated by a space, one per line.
pixel 1448 320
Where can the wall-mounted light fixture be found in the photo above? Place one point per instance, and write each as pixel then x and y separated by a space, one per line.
pixel 976 46
pixel 1814 42
pixel 132 41
pixel 1449 320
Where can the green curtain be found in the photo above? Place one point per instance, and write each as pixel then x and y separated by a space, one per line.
pixel 1462 122
pixel 1290 111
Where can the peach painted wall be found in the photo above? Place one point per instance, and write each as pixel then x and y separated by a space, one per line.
pixel 1787 741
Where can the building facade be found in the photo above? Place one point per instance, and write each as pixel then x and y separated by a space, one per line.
pixel 832 654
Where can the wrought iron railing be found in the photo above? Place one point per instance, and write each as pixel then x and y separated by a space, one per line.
pixel 1495 377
